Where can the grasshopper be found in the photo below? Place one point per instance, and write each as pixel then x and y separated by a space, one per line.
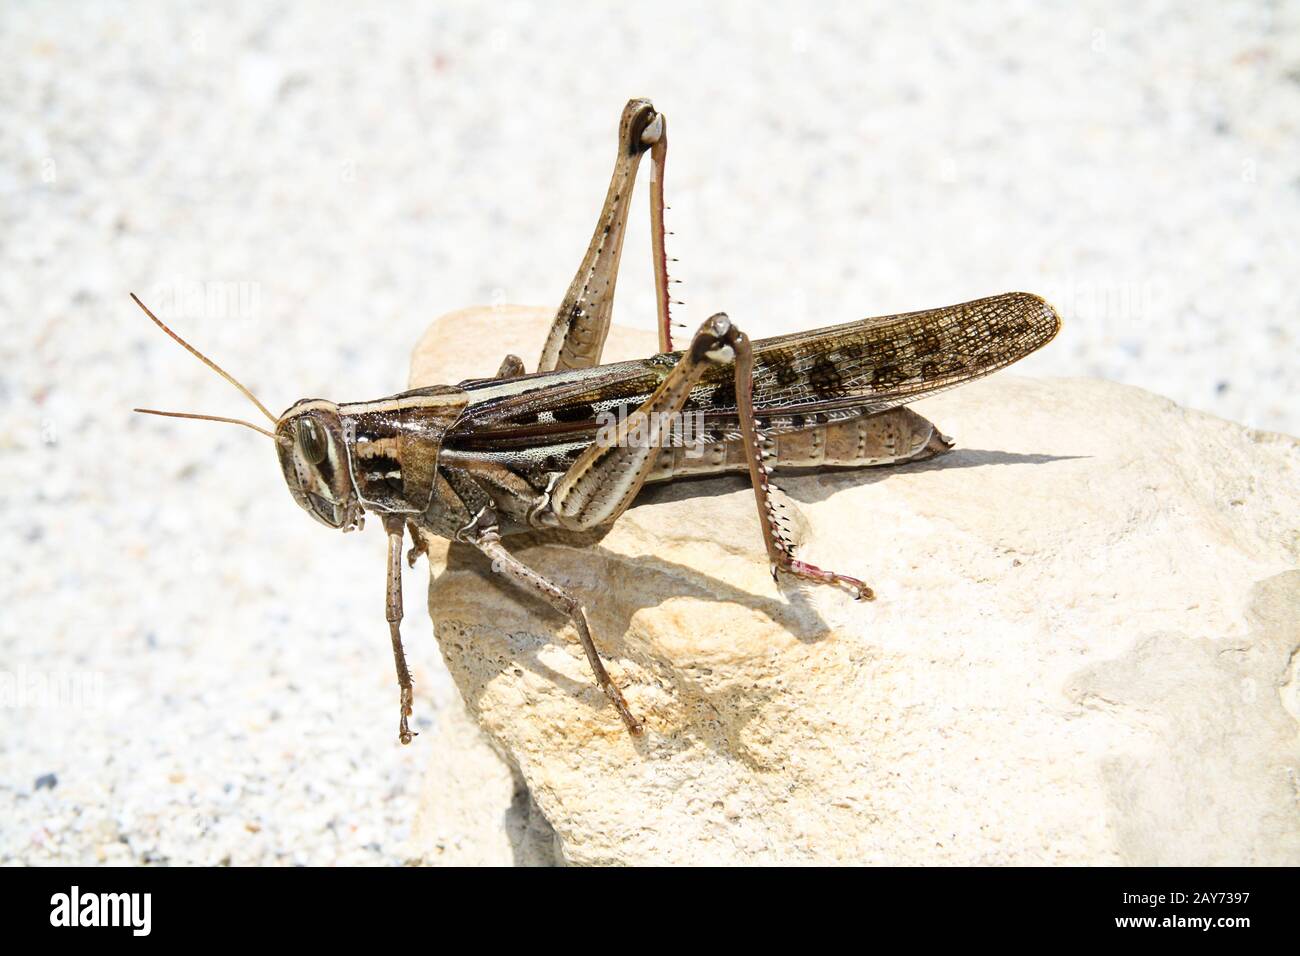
pixel 570 445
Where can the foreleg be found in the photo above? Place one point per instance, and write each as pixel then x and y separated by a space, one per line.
pixel 394 526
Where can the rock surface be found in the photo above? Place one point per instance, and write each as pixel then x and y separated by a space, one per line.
pixel 1084 650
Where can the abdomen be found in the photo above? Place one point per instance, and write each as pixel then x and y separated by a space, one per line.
pixel 881 438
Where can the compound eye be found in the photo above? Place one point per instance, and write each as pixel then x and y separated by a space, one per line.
pixel 311 439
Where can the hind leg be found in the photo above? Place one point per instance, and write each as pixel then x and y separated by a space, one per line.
pixel 600 485
pixel 578 332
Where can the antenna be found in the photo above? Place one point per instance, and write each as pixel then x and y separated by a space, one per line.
pixel 210 364
pixel 207 418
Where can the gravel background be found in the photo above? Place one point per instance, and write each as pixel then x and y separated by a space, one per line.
pixel 194 672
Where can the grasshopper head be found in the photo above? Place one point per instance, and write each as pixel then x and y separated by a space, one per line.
pixel 309 439
pixel 314 459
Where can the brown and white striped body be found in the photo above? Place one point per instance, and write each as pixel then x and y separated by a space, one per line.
pixel 570 445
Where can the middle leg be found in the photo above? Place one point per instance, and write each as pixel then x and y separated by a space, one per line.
pixel 521 576
pixel 780 548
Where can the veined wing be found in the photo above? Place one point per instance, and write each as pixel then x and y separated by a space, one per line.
pixel 894 359
pixel 864 366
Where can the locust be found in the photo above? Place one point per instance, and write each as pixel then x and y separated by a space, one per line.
pixel 569 445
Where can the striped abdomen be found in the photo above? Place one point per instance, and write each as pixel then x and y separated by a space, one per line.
pixel 880 438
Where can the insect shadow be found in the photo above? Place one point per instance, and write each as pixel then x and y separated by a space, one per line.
pixel 818 484
pixel 792 611
pixel 790 608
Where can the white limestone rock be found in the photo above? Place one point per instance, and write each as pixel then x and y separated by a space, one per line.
pixel 1084 647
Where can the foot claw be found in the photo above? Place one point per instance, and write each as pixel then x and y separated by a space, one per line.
pixel 413 555
pixel 633 725
pixel 405 733
pixel 810 572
